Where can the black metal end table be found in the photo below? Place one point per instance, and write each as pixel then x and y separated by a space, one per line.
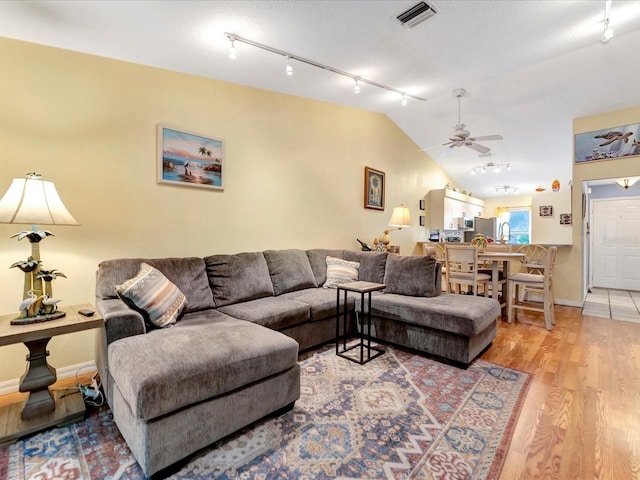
pixel 365 338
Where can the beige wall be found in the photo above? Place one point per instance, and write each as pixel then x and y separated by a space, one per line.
pixel 294 172
pixel 621 167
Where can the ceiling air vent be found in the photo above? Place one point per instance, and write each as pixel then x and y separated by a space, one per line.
pixel 416 14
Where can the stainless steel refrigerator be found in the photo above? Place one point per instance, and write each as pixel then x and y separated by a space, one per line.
pixel 486 226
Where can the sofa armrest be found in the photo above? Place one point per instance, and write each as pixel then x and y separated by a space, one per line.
pixel 120 321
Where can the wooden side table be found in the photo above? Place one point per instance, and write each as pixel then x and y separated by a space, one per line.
pixel 365 338
pixel 42 408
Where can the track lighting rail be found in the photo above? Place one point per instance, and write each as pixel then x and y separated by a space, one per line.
pixel 292 56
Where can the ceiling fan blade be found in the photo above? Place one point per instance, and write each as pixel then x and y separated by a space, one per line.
pixel 429 148
pixel 489 137
pixel 477 147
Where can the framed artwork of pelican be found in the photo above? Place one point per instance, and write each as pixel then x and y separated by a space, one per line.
pixel 189 159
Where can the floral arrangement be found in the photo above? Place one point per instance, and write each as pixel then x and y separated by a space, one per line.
pixel 479 241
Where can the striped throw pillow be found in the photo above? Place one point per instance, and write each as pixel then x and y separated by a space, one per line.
pixel 152 294
pixel 340 271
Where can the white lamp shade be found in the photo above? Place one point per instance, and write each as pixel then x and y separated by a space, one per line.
pixel 401 217
pixel 33 201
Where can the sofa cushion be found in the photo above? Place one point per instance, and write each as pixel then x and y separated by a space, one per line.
pixel 318 261
pixel 158 300
pixel 340 271
pixel 464 315
pixel 321 301
pixel 372 264
pixel 205 355
pixel 415 276
pixel 238 278
pixel 290 270
pixel 272 312
pixel 188 274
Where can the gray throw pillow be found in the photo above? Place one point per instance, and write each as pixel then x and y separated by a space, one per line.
pixel 413 276
pixel 238 278
pixel 290 270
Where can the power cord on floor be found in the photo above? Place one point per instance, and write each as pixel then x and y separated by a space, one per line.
pixel 91 394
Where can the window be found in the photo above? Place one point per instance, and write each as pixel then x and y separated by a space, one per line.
pixel 518 226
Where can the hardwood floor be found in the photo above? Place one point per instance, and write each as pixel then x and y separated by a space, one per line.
pixel 581 417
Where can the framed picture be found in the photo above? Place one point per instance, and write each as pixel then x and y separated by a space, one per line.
pixel 422 220
pixel 606 144
pixel 373 189
pixel 546 211
pixel 565 219
pixel 421 204
pixel 190 159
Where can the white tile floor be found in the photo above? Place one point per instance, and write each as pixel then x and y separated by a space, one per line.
pixel 614 304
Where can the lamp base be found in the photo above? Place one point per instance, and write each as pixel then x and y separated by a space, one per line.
pixel 38 318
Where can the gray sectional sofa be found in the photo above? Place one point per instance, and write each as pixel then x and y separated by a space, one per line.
pixel 231 358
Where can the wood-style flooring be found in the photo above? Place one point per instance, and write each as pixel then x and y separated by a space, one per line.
pixel 581 417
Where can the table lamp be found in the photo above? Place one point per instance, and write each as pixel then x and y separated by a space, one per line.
pixel 34 201
pixel 400 218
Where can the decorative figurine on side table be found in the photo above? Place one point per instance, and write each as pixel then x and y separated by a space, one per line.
pixel 34 201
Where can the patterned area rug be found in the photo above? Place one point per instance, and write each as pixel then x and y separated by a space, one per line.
pixel 401 416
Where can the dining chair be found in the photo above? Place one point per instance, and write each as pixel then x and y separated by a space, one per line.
pixel 534 256
pixel 461 263
pixel 428 250
pixel 486 267
pixel 438 253
pixel 539 283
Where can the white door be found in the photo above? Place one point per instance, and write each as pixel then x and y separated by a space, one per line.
pixel 615 231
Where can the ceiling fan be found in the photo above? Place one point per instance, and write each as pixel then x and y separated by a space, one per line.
pixel 462 138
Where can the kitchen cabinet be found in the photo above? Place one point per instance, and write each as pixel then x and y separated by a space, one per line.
pixel 445 207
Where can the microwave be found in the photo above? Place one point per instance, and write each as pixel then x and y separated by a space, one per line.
pixel 468 223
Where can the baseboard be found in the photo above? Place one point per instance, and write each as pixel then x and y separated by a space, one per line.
pixel 11 386
pixel 568 303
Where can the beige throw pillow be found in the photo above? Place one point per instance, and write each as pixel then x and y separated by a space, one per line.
pixel 152 294
pixel 340 271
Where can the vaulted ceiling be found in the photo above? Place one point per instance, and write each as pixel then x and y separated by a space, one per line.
pixel 529 67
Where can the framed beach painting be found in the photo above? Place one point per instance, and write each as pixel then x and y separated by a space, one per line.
pixel 373 189
pixel 190 159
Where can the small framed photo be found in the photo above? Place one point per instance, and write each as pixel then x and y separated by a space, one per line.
pixel 190 159
pixel 373 189
pixel 546 211
pixel 565 219
pixel 422 220
pixel 421 204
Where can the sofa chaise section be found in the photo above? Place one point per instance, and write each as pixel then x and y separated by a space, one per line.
pixel 178 390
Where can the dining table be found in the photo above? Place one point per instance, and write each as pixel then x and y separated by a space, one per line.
pixel 496 258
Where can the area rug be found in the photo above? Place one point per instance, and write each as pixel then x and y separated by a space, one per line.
pixel 401 416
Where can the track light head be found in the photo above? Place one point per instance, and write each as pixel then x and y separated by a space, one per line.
pixel 233 53
pixel 404 100
pixel 289 68
pixel 356 87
